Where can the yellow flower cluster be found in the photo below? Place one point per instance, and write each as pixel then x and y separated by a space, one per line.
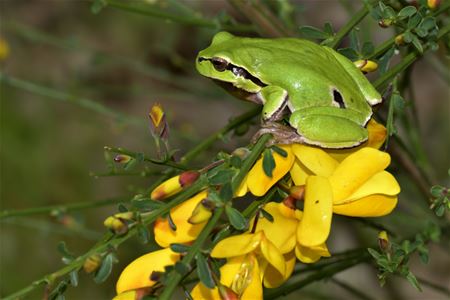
pixel 351 182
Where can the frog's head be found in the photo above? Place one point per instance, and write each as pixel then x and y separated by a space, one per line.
pixel 223 60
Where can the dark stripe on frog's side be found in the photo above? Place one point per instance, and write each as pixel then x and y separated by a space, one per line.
pixel 239 93
pixel 239 72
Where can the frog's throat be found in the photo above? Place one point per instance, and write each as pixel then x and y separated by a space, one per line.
pixel 240 93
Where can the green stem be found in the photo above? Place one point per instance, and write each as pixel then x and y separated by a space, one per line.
pixel 136 155
pixel 175 277
pixel 358 17
pixel 190 20
pixel 65 97
pixel 322 274
pixel 110 241
pixel 5 214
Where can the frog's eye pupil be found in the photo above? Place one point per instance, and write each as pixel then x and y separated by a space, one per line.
pixel 219 64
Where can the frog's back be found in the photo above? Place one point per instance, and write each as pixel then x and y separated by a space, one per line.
pixel 309 72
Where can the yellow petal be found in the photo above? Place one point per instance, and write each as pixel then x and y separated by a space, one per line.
pixel 242 190
pixel 137 274
pixel 355 170
pixel 310 255
pixel 315 159
pixel 273 255
pixel 180 214
pixel 156 114
pixel 130 295
pixel 315 225
pixel 299 173
pixel 273 279
pixel 281 232
pixel 377 134
pixel 370 206
pixel 237 245
pixel 258 182
pixel 380 183
pixel 201 292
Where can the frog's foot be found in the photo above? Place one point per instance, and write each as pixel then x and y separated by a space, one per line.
pixel 281 134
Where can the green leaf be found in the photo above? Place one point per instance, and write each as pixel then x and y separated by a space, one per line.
pixel 146 204
pixel 130 165
pixel 226 192
pixel 440 210
pixel 179 248
pixel 407 11
pixel 105 269
pixel 268 162
pixel 428 23
pixel 58 291
pixel 407 36
pixel 181 268
pixel 328 29
pixel 383 62
pixel 413 280
pixel 375 254
pixel 143 234
pixel 222 177
pixel 350 53
pixel 98 5
pixel 204 272
pixel 266 215
pixel 235 161
pixel 414 21
pixel 417 44
pixel 354 41
pixel 172 224
pixel 311 32
pixel 67 255
pixel 280 151
pixel 73 278
pixel 367 49
pixel 237 220
pixel 436 191
pixel 122 208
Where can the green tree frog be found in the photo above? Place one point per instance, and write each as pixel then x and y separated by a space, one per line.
pixel 326 99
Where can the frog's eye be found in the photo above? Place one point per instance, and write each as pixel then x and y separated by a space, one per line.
pixel 219 64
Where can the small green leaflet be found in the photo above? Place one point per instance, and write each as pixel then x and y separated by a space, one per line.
pixel 268 162
pixel 105 269
pixel 204 272
pixel 237 220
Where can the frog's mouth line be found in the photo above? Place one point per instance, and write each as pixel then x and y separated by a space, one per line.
pixel 238 71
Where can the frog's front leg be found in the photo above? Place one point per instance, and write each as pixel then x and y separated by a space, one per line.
pixel 274 99
pixel 328 130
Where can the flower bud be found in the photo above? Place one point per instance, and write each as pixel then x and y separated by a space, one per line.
pixel 385 23
pixel 433 4
pixel 297 192
pixel 159 126
pixel 4 49
pixel 92 263
pixel 122 158
pixel 174 185
pixel 383 241
pixel 226 293
pixel 399 40
pixel 366 65
pixel 202 212
pixel 241 152
pixel 118 222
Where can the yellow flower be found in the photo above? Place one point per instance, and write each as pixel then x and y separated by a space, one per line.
pixel 241 274
pixel 137 274
pixel 185 232
pixel 257 182
pixel 358 186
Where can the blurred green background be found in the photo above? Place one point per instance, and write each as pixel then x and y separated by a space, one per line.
pixel 126 62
